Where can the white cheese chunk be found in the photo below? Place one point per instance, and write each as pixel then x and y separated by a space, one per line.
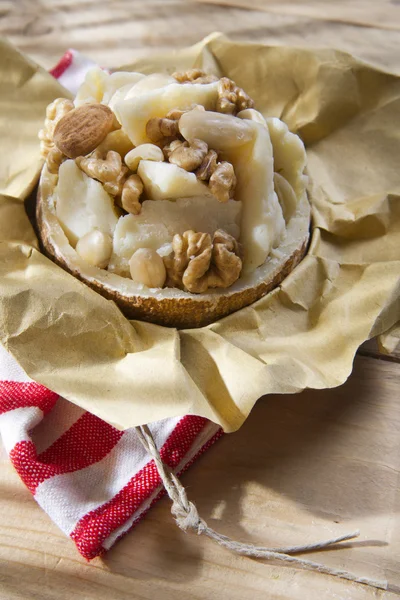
pixel 160 220
pixel 82 205
pixel 135 112
pixel 247 145
pixel 165 181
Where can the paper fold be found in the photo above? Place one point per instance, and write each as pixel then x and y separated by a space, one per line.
pixel 303 334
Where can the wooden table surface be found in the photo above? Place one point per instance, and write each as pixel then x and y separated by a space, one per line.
pixel 303 467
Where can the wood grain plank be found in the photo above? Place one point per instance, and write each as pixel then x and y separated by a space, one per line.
pixel 368 13
pixel 371 348
pixel 128 30
pixel 302 468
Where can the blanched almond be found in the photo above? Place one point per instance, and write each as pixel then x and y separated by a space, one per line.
pixel 95 247
pixel 147 267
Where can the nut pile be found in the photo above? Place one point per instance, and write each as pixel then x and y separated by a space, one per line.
pixel 87 134
pixel 231 98
pixel 117 181
pixel 92 136
pixel 195 156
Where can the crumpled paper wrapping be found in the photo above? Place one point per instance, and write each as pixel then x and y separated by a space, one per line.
pixel 303 334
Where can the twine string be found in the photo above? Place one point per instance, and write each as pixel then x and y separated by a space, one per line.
pixel 188 519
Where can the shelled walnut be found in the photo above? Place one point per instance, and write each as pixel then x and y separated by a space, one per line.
pixel 54 159
pixel 195 156
pixel 208 166
pixel 220 176
pixel 115 177
pixel 103 169
pixel 187 155
pixel 55 111
pixel 198 262
pixel 231 98
pixel 131 191
pixel 164 130
pixel 194 76
pixel 222 182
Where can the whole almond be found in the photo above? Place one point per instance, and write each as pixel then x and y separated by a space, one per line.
pixel 82 129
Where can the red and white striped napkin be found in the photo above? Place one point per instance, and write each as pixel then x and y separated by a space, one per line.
pixel 94 481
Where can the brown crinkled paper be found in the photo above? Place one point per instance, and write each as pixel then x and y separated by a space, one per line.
pixel 303 334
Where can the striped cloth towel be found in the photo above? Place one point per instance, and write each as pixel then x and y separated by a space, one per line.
pixel 94 481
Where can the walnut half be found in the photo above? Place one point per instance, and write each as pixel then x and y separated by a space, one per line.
pixel 195 156
pixel 55 111
pixel 164 130
pixel 198 262
pixel 54 159
pixel 161 130
pixel 187 155
pixel 231 98
pixel 221 176
pixel 194 76
pixel 104 170
pixel 126 188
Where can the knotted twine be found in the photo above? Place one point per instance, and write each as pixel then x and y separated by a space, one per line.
pixel 188 519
